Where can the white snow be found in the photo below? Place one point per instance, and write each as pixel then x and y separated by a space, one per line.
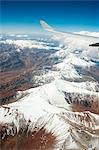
pixel 49 99
pixel 29 44
pixel 71 88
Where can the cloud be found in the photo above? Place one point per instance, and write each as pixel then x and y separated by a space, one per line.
pixel 80 46
pixel 96 34
pixel 21 35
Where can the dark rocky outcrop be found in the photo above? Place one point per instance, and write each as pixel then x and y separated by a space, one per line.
pixel 17 68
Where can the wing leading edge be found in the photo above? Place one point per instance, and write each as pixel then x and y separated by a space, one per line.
pixel 86 37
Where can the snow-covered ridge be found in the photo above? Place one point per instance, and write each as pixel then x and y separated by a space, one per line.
pixel 72 83
pixel 29 43
pixel 41 112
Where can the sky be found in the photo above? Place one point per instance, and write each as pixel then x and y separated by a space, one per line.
pixel 24 16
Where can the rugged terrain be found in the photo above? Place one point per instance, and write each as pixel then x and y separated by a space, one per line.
pixel 19 64
pixel 49 94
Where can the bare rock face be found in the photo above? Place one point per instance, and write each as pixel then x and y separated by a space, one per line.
pixel 83 102
pixel 10 58
pixel 60 115
pixel 18 66
pixel 38 139
pixel 44 133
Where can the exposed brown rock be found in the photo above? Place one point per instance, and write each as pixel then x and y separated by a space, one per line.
pixel 39 139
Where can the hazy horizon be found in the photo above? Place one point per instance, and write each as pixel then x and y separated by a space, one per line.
pixel 23 17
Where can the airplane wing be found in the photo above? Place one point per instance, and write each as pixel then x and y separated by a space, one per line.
pixel 92 39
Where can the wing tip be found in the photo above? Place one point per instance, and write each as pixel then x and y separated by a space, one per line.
pixel 46 26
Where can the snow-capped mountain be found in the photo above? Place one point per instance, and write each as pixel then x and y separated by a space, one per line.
pixel 65 100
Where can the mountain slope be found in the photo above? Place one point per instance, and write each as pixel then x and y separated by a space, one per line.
pixel 62 111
